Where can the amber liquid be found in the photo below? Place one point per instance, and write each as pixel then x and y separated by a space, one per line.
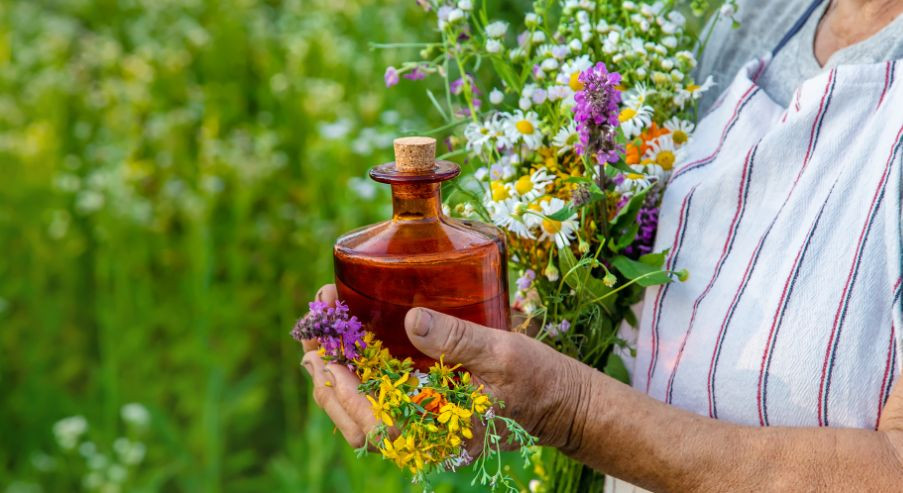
pixel 455 267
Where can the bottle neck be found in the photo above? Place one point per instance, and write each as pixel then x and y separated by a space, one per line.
pixel 416 202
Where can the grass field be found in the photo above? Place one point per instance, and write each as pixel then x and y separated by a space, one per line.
pixel 172 176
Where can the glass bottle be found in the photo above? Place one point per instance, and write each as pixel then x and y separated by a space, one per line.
pixel 421 257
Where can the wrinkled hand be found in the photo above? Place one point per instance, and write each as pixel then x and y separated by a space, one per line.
pixel 542 389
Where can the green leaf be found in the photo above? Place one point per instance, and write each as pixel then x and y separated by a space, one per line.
pixel 615 368
pixel 628 213
pixel 562 214
pixel 582 280
pixel 506 73
pixel 627 237
pixel 630 317
pixel 654 259
pixel 645 274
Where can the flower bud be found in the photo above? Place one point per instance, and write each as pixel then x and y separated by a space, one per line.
pixel 551 273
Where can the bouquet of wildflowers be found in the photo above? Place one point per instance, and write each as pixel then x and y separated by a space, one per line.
pixel 424 418
pixel 571 123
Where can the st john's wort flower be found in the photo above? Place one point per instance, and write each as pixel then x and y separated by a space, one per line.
pixel 596 113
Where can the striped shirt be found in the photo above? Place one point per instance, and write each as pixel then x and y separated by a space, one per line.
pixel 788 219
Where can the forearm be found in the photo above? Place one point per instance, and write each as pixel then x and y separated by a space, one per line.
pixel 631 436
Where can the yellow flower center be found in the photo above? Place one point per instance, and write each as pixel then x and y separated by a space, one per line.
pixel 693 88
pixel 524 127
pixel 665 159
pixel 634 176
pixel 626 114
pixel 679 137
pixel 575 83
pixel 499 191
pixel 523 185
pixel 484 130
pixel 551 226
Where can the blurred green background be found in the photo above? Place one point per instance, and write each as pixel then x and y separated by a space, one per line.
pixel 172 176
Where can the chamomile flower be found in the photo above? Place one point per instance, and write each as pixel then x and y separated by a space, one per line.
pixel 680 130
pixel 692 92
pixel 478 134
pixel 634 120
pixel 662 152
pixel 533 185
pixel 562 232
pixel 633 181
pixel 509 215
pixel 569 75
pixel 524 127
pixel 566 138
pixel 638 95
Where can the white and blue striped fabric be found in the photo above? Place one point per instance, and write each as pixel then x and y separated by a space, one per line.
pixel 789 222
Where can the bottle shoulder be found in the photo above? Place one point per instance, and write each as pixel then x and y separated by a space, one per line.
pixel 410 238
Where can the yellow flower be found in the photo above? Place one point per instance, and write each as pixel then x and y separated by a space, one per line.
pixel 381 408
pixel 444 372
pixel 499 191
pixel 575 83
pixel 453 415
pixel 480 402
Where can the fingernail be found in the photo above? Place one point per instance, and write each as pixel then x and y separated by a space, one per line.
pixel 424 322
pixel 307 366
pixel 320 295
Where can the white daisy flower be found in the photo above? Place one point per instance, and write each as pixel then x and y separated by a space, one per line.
pixel 634 120
pixel 681 130
pixel 662 152
pixel 638 95
pixel 509 215
pixel 524 127
pixel 562 232
pixel 533 185
pixel 634 181
pixel 478 134
pixel 570 72
pixel 497 29
pixel 693 91
pixel 566 138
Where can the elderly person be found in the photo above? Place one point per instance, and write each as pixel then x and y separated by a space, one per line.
pixel 773 366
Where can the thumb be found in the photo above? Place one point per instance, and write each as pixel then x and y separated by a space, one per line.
pixel 436 334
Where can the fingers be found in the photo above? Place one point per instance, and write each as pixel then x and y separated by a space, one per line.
pixel 460 341
pixel 325 395
pixel 353 402
pixel 328 295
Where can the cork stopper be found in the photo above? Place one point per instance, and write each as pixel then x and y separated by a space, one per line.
pixel 415 154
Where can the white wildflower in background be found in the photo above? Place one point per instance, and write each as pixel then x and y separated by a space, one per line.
pixel 363 188
pixel 135 414
pixel 68 431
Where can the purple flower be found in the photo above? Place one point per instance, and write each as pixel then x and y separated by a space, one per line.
pixel 524 281
pixel 340 335
pixel 564 326
pixel 416 74
pixel 596 113
pixel 391 76
pixel 647 218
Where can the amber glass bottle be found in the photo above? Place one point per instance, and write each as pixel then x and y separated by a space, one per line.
pixel 421 257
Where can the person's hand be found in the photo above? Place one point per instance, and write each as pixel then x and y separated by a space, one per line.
pixel 542 389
